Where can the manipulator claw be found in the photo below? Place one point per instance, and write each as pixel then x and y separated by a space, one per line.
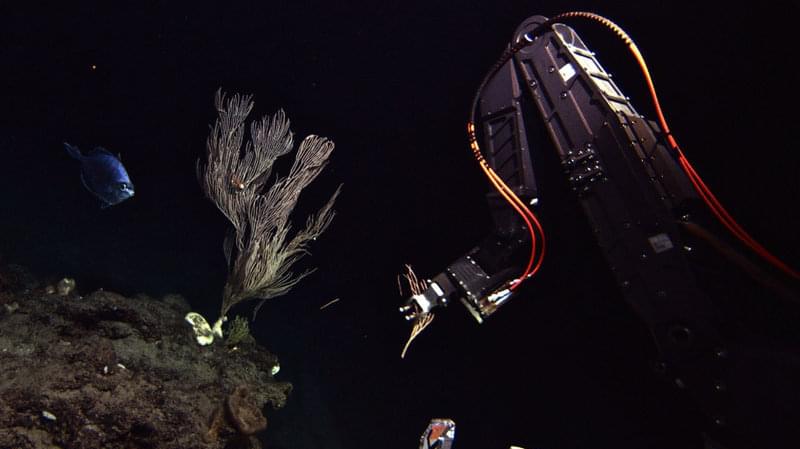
pixel 435 295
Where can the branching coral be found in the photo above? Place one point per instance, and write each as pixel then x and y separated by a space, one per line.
pixel 259 250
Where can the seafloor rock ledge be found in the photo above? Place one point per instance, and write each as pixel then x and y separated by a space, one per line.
pixel 107 371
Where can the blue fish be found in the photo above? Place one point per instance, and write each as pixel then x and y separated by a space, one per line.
pixel 103 174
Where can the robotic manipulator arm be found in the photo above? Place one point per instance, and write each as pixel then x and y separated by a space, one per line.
pixel 548 63
pixel 634 183
pixel 642 198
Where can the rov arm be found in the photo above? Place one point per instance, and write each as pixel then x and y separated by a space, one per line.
pixel 641 204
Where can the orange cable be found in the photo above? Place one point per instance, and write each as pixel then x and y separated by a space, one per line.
pixel 529 271
pixel 519 206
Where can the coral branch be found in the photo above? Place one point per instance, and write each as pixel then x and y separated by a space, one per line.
pixel 259 251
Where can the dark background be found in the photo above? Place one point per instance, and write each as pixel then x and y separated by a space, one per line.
pixel 564 365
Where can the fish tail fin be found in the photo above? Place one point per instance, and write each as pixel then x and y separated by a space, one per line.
pixel 73 150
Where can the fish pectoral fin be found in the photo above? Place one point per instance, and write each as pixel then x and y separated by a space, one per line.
pixel 73 151
pixel 83 181
pixel 105 205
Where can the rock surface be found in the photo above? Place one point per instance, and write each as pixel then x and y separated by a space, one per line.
pixel 107 371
